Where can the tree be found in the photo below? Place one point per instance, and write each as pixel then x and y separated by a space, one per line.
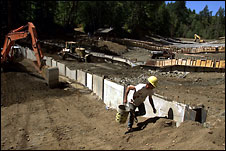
pixel 162 26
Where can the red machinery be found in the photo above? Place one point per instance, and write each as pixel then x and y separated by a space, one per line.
pixel 7 54
pixel 17 34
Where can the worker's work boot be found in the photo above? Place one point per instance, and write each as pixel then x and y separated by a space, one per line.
pixel 130 129
pixel 135 119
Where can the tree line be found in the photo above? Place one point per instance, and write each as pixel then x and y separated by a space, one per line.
pixel 135 18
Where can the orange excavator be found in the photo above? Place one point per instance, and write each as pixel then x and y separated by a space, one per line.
pixel 7 53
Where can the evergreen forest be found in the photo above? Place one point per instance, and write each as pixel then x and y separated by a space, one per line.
pixel 130 18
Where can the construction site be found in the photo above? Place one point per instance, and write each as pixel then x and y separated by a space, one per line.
pixel 78 111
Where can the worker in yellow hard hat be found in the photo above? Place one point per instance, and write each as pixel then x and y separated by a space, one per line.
pixel 136 98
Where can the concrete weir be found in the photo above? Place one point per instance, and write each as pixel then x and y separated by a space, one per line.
pixel 112 95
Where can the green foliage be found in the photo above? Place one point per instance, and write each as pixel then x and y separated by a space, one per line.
pixel 139 18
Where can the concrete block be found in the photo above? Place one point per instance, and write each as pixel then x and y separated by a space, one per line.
pixel 201 114
pixel 24 52
pixel 98 86
pixel 74 74
pixel 89 81
pixel 113 94
pixel 68 73
pixel 62 68
pixel 30 54
pixel 189 114
pixel 52 76
pixel 54 63
pixel 81 77
pixel 49 61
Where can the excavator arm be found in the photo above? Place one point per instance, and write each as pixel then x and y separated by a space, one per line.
pixel 50 74
pixel 17 34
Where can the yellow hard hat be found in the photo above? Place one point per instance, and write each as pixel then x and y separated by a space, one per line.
pixel 153 80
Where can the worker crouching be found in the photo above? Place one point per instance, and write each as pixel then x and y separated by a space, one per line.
pixel 137 98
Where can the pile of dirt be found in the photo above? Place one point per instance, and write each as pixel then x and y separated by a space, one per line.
pixel 114 47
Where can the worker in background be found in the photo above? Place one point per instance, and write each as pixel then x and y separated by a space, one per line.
pixel 137 98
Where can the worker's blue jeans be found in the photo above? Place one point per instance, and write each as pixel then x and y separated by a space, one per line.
pixel 132 112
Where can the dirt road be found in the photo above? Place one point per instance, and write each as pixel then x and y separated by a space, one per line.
pixel 36 117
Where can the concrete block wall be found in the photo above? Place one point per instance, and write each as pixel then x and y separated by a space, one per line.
pixel 112 95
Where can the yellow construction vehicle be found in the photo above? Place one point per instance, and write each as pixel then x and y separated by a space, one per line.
pixel 72 50
pixel 199 38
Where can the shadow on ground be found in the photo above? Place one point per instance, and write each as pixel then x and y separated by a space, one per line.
pixel 142 125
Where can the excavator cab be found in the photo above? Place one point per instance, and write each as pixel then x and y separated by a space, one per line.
pixel 17 51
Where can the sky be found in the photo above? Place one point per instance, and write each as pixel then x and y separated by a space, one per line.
pixel 200 5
